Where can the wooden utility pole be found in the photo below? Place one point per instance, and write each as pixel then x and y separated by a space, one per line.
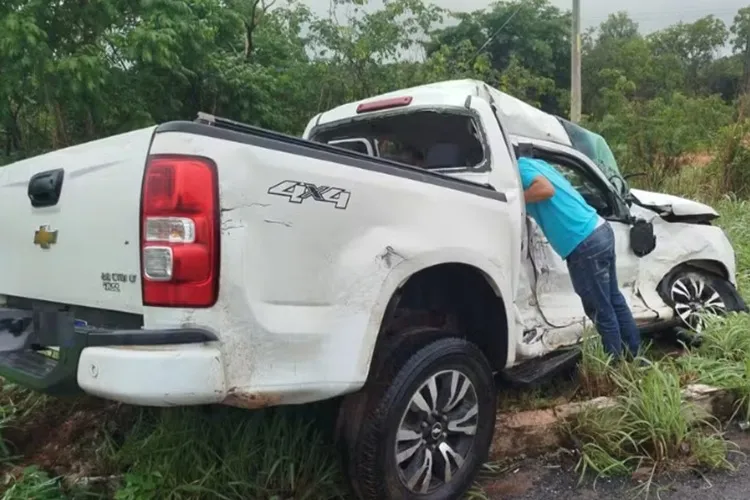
pixel 745 92
pixel 575 64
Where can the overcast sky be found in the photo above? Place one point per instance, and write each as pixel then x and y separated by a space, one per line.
pixel 650 14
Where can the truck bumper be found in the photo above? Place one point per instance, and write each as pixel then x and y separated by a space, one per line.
pixel 148 367
pixel 171 375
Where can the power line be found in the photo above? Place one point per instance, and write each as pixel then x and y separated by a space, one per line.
pixel 492 37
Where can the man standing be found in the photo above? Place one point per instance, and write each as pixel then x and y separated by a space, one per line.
pixel 587 244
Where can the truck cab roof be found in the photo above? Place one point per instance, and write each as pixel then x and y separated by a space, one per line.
pixel 519 118
pixel 443 94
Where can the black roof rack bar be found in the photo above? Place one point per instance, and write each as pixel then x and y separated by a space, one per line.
pixel 225 123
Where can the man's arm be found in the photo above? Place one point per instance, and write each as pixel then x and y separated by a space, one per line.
pixel 536 187
pixel 540 189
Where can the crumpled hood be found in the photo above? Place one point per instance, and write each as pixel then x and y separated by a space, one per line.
pixel 666 204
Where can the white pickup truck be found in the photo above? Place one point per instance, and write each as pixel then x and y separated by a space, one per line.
pixel 207 262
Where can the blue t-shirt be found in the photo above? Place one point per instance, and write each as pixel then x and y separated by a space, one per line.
pixel 565 219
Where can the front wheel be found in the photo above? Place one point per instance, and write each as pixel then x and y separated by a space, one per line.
pixel 695 293
pixel 432 428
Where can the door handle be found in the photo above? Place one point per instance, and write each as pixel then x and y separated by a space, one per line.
pixel 45 188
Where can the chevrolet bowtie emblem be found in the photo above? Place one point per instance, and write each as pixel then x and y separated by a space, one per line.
pixel 44 237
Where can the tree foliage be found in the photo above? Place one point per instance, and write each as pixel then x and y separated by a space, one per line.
pixel 75 71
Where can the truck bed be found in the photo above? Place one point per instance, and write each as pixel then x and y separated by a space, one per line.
pixel 79 243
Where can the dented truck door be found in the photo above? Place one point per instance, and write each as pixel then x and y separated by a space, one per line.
pixel 559 306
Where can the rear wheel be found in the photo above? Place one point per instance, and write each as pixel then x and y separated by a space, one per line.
pixel 427 435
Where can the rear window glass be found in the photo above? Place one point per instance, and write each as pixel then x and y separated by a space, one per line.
pixel 426 139
pixel 357 146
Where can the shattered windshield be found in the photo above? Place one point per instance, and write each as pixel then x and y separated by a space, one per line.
pixel 596 148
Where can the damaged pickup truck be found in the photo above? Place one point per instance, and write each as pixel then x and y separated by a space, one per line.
pixel 211 262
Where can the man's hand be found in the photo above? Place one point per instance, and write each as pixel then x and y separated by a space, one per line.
pixel 540 189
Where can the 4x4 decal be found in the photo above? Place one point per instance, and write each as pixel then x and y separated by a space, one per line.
pixel 297 192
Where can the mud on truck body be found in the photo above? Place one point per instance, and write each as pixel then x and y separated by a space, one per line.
pixel 212 262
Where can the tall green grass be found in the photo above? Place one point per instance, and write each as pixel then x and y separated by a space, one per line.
pixel 650 425
pixel 35 484
pixel 595 368
pixel 226 453
pixel 735 220
pixel 723 359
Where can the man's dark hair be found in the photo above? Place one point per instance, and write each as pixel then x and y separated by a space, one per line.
pixel 416 154
pixel 524 150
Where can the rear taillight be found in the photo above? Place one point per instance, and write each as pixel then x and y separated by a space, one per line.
pixel 180 232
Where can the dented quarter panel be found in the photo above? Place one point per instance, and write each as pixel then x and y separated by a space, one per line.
pixel 304 286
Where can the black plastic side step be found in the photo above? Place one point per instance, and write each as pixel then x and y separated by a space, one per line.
pixel 22 332
pixel 536 370
pixel 28 362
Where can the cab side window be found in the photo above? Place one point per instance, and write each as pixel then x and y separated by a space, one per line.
pixel 593 194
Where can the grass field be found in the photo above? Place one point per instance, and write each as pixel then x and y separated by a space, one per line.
pixel 88 448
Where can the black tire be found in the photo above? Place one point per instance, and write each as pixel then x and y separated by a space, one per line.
pixel 388 359
pixel 374 472
pixel 690 292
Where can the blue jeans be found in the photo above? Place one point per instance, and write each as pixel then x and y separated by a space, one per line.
pixel 594 275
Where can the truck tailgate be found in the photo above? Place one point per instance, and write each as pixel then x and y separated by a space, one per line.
pixel 81 249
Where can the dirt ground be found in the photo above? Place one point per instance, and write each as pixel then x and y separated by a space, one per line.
pixel 545 479
pixel 66 437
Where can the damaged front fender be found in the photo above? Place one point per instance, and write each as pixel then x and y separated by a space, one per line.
pixel 673 208
pixel 679 243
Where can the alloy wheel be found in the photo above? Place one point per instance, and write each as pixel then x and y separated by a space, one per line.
pixel 437 431
pixel 693 297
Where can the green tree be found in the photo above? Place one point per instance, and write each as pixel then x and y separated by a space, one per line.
pixel 616 53
pixel 365 51
pixel 741 43
pixel 76 71
pixel 531 34
pixel 695 44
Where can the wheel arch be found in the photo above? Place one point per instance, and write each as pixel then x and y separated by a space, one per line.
pixel 712 266
pixel 459 297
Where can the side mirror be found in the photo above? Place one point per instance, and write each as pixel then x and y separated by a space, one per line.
pixel 642 237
